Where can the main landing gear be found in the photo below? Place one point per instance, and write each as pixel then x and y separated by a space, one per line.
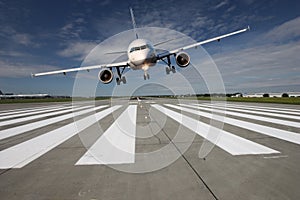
pixel 120 78
pixel 169 68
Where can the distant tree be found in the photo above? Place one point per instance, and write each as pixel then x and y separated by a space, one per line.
pixel 266 95
pixel 285 95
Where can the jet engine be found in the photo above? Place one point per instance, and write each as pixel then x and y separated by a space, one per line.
pixel 183 59
pixel 105 76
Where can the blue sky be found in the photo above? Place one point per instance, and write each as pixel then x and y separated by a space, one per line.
pixel 39 35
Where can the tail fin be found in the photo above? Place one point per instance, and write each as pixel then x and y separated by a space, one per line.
pixel 133 23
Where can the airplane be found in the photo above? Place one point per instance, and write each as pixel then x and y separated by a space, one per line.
pixel 141 56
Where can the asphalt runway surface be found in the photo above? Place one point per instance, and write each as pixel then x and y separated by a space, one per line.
pixel 149 149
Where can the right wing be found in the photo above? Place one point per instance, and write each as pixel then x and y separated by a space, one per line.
pixel 64 71
pixel 195 45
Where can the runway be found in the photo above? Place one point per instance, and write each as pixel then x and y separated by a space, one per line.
pixel 82 151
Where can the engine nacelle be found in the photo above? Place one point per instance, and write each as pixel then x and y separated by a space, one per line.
pixel 183 59
pixel 106 76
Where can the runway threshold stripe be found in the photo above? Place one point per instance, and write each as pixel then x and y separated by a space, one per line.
pixel 231 143
pixel 29 110
pixel 271 109
pixel 267 112
pixel 273 132
pixel 24 119
pixel 117 144
pixel 35 125
pixel 249 116
pixel 267 107
pixel 20 155
pixel 34 112
pixel 19 110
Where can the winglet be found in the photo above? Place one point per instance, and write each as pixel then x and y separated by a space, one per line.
pixel 133 23
pixel 248 28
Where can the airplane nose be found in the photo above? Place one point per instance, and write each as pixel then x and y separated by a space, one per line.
pixel 140 58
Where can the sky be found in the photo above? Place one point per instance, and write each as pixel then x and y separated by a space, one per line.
pixel 38 35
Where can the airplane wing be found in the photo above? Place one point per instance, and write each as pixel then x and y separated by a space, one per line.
pixel 195 45
pixel 64 71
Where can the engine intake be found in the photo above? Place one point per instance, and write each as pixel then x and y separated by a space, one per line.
pixel 183 59
pixel 105 76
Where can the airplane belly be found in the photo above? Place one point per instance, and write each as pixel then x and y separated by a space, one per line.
pixel 142 65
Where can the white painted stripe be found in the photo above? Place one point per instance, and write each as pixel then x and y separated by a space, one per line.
pixel 117 144
pixel 231 143
pixel 272 157
pixel 270 131
pixel 273 109
pixel 269 107
pixel 18 120
pixel 20 155
pixel 35 125
pixel 249 116
pixel 30 110
pixel 267 112
pixel 34 112
pixel 34 107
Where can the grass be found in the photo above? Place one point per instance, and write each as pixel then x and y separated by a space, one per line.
pixel 36 100
pixel 7 101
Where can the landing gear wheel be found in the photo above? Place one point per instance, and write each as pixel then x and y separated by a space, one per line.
pixel 173 69
pixel 167 70
pixel 118 81
pixel 145 77
pixel 124 80
pixel 148 76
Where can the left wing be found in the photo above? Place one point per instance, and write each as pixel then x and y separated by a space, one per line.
pixel 172 52
pixel 64 71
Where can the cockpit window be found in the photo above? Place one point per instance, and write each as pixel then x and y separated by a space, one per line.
pixel 139 48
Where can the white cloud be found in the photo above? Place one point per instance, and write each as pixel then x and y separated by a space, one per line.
pixel 286 31
pixel 13 53
pixel 77 50
pixel 22 38
pixel 105 2
pixel 14 70
pixel 261 66
pixel 16 37
pixel 73 29
pixel 221 4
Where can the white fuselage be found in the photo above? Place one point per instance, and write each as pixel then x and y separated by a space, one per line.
pixel 141 54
